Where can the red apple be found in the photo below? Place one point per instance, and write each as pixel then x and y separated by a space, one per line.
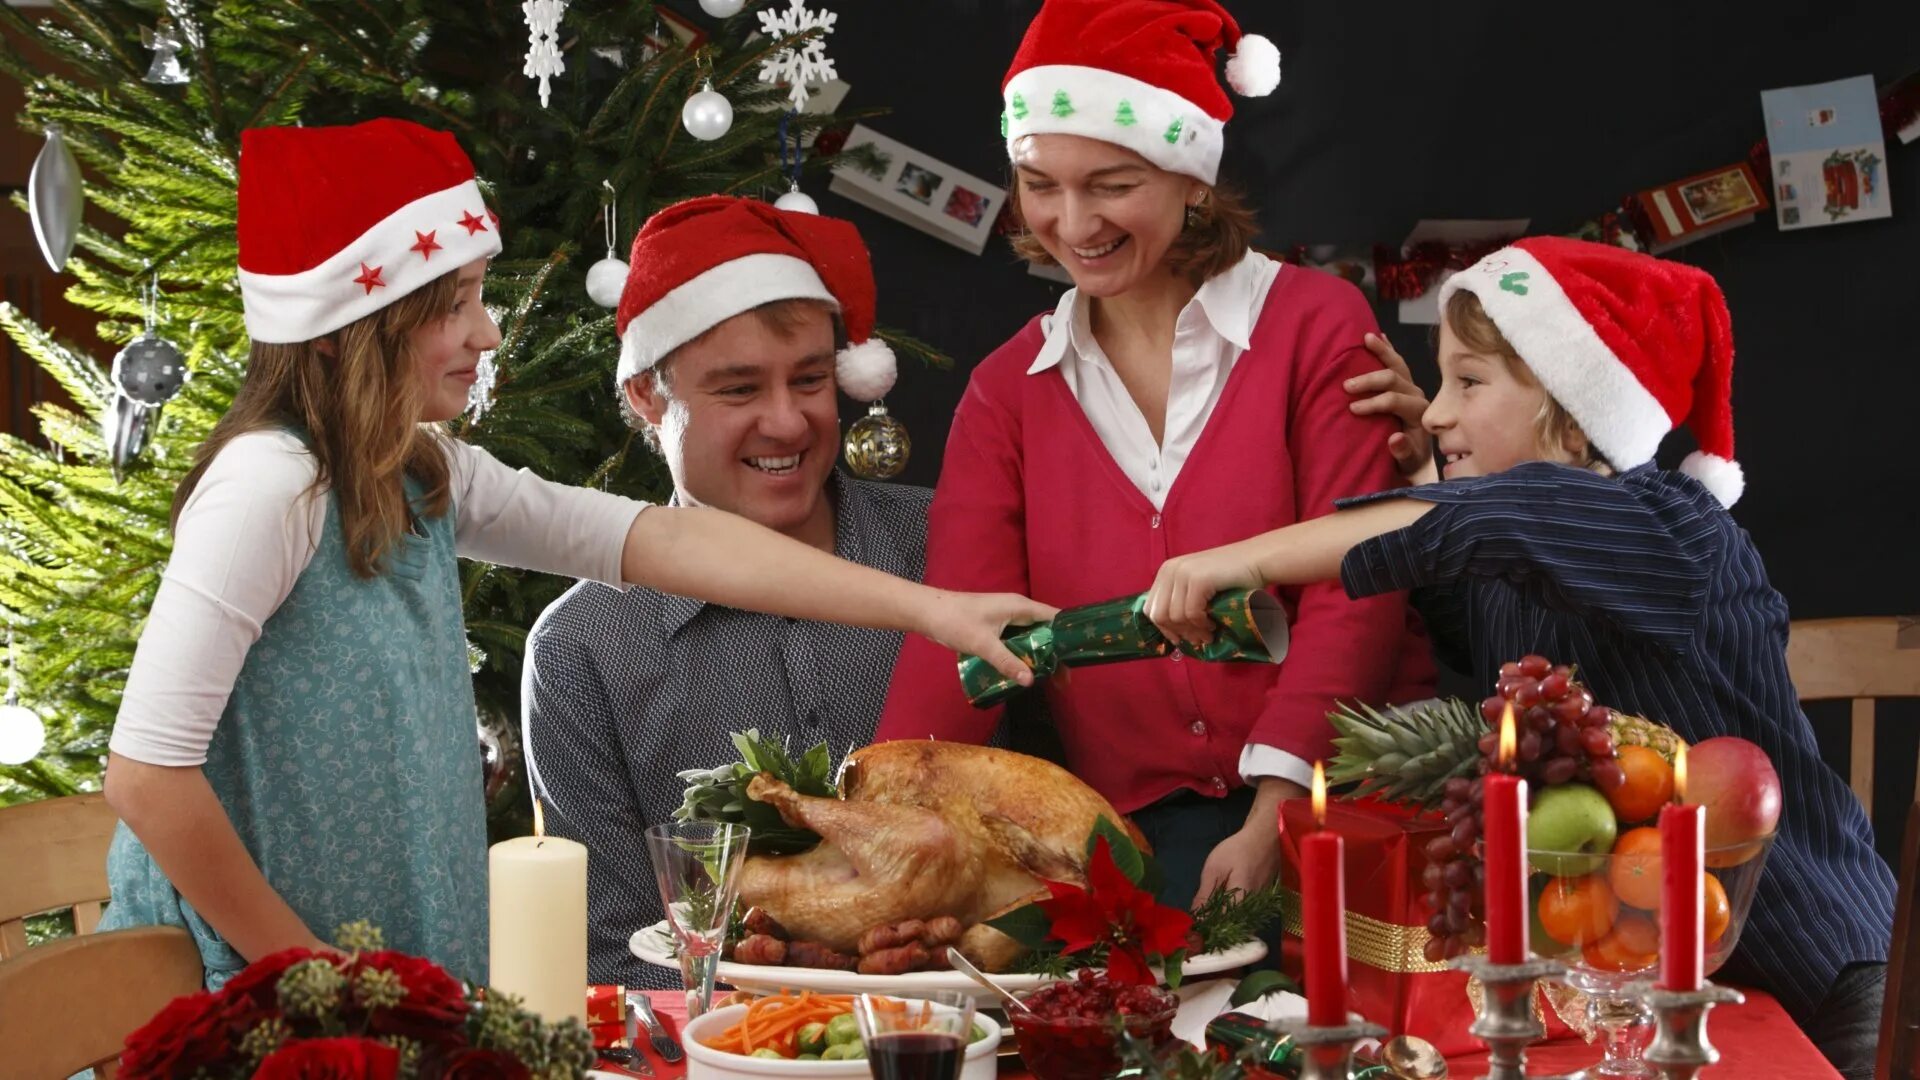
pixel 1733 779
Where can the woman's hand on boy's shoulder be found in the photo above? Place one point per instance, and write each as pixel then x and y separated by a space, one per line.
pixel 1392 391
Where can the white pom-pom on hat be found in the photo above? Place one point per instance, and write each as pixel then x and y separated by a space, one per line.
pixel 866 371
pixel 1724 478
pixel 1254 70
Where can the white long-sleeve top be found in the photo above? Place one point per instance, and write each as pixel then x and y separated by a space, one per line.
pixel 249 530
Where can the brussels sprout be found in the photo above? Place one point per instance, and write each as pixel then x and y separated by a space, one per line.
pixel 835 1052
pixel 768 1052
pixel 842 1029
pixel 807 1057
pixel 813 1038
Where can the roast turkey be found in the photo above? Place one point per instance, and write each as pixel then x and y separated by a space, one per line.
pixel 922 829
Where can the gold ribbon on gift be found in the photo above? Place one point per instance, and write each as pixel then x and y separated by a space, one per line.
pixel 1402 949
pixel 1374 942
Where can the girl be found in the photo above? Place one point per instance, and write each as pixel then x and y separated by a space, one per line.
pixel 295 748
pixel 1185 387
pixel 1563 364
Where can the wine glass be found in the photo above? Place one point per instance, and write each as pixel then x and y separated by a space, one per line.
pixel 1598 914
pixel 697 864
pixel 916 1039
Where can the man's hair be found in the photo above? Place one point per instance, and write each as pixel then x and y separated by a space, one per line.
pixel 1553 424
pixel 783 318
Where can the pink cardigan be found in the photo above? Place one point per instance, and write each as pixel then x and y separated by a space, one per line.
pixel 1029 501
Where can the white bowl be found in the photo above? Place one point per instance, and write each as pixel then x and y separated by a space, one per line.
pixel 706 1063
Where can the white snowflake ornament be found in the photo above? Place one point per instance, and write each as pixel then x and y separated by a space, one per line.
pixel 808 63
pixel 543 45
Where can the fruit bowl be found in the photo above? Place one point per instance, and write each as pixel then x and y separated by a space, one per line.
pixel 1069 1035
pixel 1600 915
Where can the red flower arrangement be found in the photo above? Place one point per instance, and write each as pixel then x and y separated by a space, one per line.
pixel 1115 912
pixel 364 1013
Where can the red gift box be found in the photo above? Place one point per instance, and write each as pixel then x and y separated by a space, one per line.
pixel 1389 979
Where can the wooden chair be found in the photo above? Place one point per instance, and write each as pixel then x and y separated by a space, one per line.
pixel 55 855
pixel 1856 660
pixel 1900 1009
pixel 69 1005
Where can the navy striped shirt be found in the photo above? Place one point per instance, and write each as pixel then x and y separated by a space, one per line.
pixel 1648 585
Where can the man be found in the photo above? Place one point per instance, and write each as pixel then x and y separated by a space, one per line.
pixel 729 324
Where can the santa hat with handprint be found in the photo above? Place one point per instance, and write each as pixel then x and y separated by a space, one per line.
pixel 700 262
pixel 1137 73
pixel 1630 345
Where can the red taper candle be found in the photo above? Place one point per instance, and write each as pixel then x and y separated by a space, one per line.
pixel 1323 914
pixel 1505 827
pixel 1683 857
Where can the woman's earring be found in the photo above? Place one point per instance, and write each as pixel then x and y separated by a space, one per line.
pixel 1193 217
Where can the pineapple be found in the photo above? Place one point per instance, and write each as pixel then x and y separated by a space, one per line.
pixel 1406 754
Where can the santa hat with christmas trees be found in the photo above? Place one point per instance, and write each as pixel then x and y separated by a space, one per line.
pixel 698 263
pixel 1137 73
pixel 1630 345
pixel 336 223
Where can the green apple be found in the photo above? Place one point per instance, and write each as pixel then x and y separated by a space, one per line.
pixel 1568 830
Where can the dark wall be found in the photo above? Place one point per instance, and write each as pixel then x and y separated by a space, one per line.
pixel 1391 113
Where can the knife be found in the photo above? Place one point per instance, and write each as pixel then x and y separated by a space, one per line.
pixel 663 1044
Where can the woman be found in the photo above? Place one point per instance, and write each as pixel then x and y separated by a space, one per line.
pixel 1186 391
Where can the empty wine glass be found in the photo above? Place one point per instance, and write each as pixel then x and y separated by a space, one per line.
pixel 697 864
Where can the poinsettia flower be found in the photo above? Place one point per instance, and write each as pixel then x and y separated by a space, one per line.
pixel 1113 911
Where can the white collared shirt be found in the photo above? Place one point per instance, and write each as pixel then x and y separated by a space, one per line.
pixel 1212 331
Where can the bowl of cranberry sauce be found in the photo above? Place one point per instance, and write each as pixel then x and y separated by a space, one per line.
pixel 1070 1033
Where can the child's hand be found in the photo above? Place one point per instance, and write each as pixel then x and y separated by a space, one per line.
pixel 970 623
pixel 1186 584
pixel 1392 391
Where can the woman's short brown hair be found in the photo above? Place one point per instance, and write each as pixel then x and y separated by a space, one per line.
pixel 1476 330
pixel 1223 229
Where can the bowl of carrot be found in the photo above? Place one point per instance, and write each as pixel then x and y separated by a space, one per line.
pixel 802 1034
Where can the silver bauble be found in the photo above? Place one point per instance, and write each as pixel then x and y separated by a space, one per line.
pixel 500 756
pixel 877 445
pixel 165 69
pixel 127 425
pixel 605 281
pixel 54 200
pixel 707 115
pixel 150 370
pixel 22 734
pixel 722 9
pixel 797 201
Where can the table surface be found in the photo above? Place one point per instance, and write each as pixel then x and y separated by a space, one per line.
pixel 1754 1039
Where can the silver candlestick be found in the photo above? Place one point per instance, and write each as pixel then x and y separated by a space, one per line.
pixel 1506 1022
pixel 1326 1053
pixel 1680 1048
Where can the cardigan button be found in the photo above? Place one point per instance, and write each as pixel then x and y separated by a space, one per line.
pixel 1219 784
pixel 1199 727
pixel 1155 523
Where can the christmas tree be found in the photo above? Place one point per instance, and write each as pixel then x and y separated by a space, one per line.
pixel 81 552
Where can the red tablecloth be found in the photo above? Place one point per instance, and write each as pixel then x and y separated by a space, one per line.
pixel 1755 1039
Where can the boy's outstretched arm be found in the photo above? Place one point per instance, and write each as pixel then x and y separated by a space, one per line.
pixel 1296 555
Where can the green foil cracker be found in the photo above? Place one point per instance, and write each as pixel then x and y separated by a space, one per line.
pixel 1250 627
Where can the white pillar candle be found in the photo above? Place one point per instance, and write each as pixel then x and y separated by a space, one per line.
pixel 537 923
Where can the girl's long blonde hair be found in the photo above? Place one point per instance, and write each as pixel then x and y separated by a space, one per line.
pixel 358 405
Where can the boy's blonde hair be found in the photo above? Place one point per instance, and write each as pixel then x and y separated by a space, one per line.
pixel 1553 427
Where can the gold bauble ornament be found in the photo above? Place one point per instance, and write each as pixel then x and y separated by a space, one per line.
pixel 877 445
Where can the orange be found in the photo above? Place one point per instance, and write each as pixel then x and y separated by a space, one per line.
pixel 1636 933
pixel 1634 870
pixel 1649 784
pixel 1611 953
pixel 1717 911
pixel 1574 911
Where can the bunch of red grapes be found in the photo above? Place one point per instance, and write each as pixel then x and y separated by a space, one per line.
pixel 1560 736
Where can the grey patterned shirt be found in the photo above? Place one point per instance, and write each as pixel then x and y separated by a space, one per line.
pixel 623 690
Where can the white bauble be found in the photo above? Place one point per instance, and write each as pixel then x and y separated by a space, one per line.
pixel 722 9
pixel 797 201
pixel 22 735
pixel 605 280
pixel 707 115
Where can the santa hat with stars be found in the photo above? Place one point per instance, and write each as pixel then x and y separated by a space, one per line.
pixel 1138 73
pixel 338 222
pixel 1630 345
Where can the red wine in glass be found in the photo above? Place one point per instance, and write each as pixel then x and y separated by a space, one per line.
pixel 916 1055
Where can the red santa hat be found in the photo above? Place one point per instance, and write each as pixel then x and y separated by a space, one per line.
pixel 336 223
pixel 1137 73
pixel 1630 345
pixel 698 263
